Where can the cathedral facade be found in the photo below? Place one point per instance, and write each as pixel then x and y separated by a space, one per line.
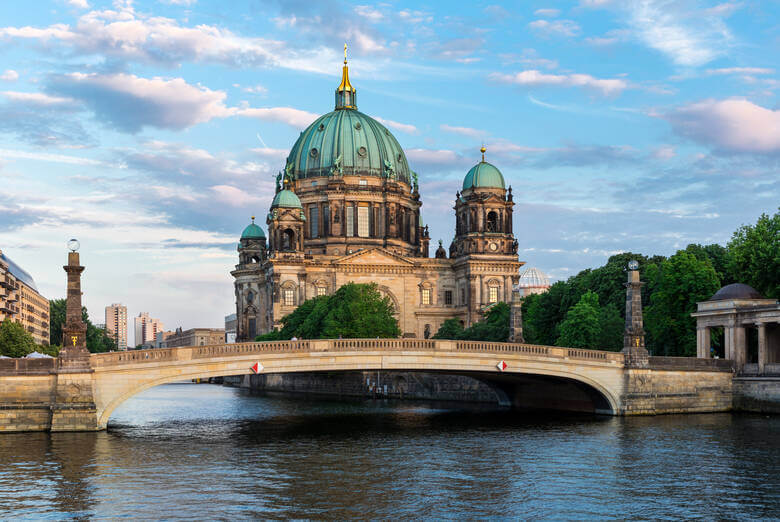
pixel 347 209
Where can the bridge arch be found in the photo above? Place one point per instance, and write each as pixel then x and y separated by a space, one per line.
pixel 532 373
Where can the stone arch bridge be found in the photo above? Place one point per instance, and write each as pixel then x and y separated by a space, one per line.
pixel 47 395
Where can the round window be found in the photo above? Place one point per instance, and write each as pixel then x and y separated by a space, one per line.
pixel 358 126
pixel 314 152
pixel 321 127
pixel 362 151
pixel 400 157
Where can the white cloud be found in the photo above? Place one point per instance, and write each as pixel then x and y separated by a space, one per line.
pixel 9 75
pixel 126 34
pixel 81 4
pixel 129 102
pixel 664 152
pixel 595 3
pixel 432 159
pixel 368 12
pixel 403 127
pixel 610 38
pixel 235 197
pixel 52 158
pixel 529 58
pixel 293 117
pixel 255 89
pixel 179 2
pixel 547 13
pixel 733 124
pixel 686 34
pixel 464 131
pixel 740 70
pixel 534 78
pixel 555 27
pixel 37 98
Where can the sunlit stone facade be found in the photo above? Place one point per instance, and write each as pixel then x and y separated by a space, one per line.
pixel 347 209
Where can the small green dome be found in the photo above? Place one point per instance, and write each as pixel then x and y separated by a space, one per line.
pixel 252 231
pixel 286 199
pixel 483 175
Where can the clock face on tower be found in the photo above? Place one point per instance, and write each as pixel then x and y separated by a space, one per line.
pixel 633 264
pixel 493 246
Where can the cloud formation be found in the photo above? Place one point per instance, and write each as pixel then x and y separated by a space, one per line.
pixel 9 76
pixel 566 28
pixel 130 103
pixel 734 124
pixel 534 78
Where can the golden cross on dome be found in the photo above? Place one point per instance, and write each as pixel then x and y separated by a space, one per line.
pixel 345 52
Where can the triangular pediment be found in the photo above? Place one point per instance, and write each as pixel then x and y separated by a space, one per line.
pixel 374 256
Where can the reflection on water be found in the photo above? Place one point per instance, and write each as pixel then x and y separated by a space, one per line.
pixel 205 451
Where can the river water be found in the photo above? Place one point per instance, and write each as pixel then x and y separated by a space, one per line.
pixel 207 451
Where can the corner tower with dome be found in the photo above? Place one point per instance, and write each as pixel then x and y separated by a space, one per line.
pixel 347 208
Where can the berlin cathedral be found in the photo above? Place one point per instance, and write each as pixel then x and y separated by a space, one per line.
pixel 347 209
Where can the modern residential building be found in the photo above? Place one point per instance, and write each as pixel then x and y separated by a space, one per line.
pixel 116 324
pixel 21 301
pixel 196 337
pixel 146 329
pixel 230 328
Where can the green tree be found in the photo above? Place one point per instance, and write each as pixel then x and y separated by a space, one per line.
pixel 682 281
pixel 719 258
pixel 582 326
pixel 754 255
pixel 15 341
pixel 494 327
pixel 97 339
pixel 611 329
pixel 449 329
pixel 354 311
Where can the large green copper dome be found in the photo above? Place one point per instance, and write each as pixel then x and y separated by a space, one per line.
pixel 347 142
pixel 483 175
pixel 286 199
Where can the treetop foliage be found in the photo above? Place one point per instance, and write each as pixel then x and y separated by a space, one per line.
pixel 353 311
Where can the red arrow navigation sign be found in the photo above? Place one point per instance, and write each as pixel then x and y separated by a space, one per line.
pixel 257 367
pixel 501 366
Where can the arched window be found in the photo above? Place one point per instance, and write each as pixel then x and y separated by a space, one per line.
pixel 426 294
pixel 493 291
pixel 492 221
pixel 288 240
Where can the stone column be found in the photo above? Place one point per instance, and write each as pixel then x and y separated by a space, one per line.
pixel 516 319
pixel 703 341
pixel 728 342
pixel 740 348
pixel 634 334
pixel 74 353
pixel 762 348
pixel 508 289
pixel 473 302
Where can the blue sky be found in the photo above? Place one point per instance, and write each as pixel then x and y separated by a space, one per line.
pixel 151 130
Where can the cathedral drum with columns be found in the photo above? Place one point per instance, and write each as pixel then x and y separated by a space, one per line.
pixel 347 209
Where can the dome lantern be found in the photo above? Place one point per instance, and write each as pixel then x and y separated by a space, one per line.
pixel 345 94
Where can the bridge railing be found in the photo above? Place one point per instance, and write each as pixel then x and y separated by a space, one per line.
pixel 324 345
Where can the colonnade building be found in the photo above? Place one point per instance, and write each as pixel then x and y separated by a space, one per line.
pixel 347 209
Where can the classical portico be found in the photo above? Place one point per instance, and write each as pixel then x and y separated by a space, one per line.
pixel 737 308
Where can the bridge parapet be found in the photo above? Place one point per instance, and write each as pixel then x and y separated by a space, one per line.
pixel 43 366
pixel 105 360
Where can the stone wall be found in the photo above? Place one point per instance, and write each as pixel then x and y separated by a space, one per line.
pixel 757 394
pixel 678 385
